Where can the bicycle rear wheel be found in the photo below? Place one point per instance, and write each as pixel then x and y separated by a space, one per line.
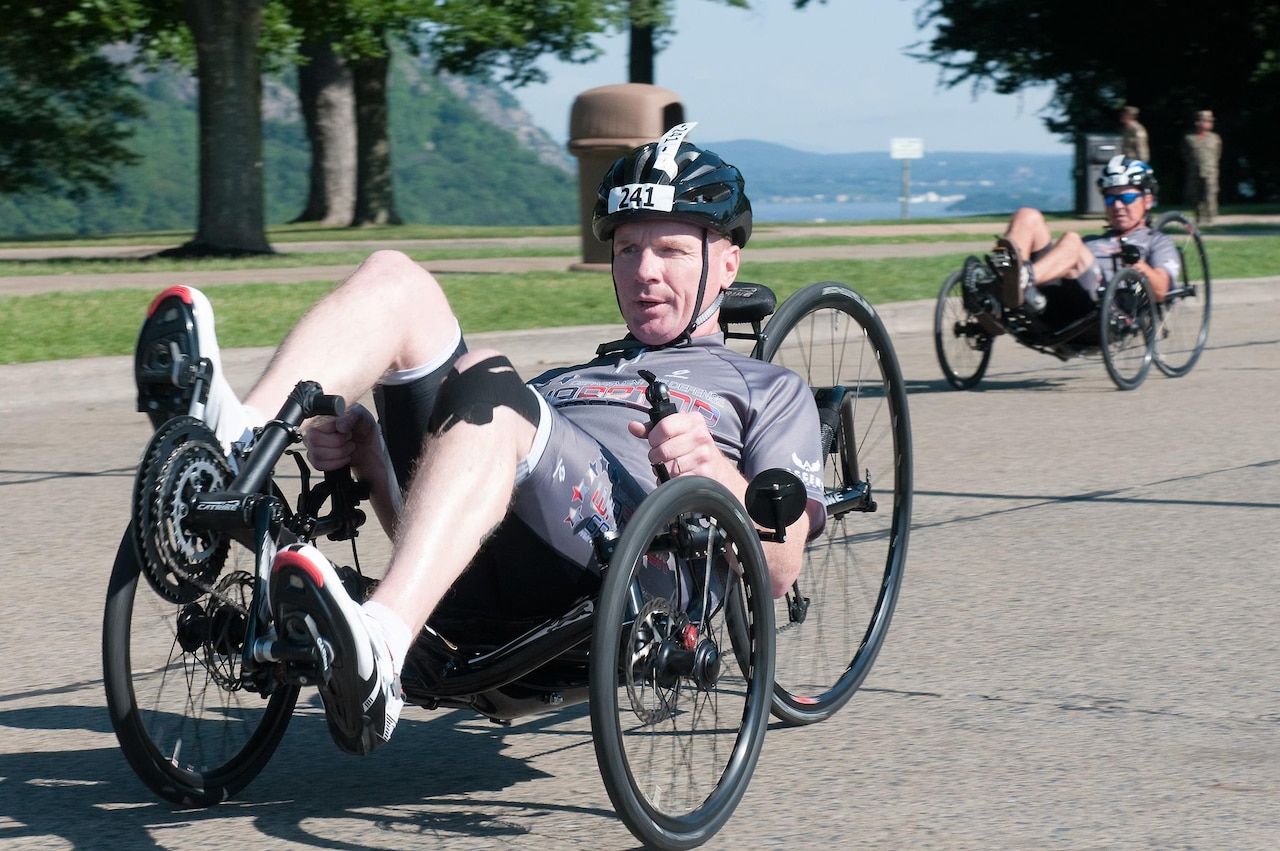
pixel 834 622
pixel 681 664
pixel 1182 319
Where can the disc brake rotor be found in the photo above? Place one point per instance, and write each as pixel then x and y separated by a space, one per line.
pixel 652 699
pixel 215 631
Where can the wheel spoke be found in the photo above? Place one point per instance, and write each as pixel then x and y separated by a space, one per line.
pixel 852 571
pixel 679 727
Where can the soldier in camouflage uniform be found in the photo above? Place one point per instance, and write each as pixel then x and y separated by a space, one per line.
pixel 1201 152
pixel 1133 136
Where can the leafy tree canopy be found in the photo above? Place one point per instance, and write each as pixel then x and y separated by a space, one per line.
pixel 487 39
pixel 63 102
pixel 1164 56
pixel 503 39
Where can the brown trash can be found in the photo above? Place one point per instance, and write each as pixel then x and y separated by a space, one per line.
pixel 604 124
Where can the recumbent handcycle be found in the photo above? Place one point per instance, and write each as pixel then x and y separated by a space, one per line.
pixel 201 685
pixel 1128 328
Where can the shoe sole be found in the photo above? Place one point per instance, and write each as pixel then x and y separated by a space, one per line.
pixel 298 594
pixel 167 367
pixel 1011 290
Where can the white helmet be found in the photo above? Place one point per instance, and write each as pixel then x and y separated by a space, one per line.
pixel 1122 171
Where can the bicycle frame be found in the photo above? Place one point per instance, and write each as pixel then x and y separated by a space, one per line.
pixel 545 666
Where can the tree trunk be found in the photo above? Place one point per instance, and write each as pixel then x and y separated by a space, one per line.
pixel 231 207
pixel 375 194
pixel 640 54
pixel 328 99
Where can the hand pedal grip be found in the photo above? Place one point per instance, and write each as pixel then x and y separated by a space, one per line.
pixel 660 407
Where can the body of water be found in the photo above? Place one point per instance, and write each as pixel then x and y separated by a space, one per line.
pixel 849 211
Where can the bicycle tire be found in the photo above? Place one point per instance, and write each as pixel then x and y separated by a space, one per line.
pixel 651 706
pixel 833 624
pixel 1182 326
pixel 190 733
pixel 963 350
pixel 1126 329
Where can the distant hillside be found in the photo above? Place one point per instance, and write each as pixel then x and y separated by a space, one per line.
pixel 970 182
pixel 463 154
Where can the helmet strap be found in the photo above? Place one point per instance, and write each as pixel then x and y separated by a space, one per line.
pixel 699 318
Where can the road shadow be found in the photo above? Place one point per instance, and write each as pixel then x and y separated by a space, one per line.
pixel 1008 503
pixel 310 793
pixel 916 387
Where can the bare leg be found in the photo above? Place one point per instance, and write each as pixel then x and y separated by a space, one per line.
pixel 459 494
pixel 389 314
pixel 1067 258
pixel 1028 230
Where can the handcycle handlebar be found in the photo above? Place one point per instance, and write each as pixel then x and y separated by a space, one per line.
pixel 234 508
pixel 660 407
pixel 1129 253
pixel 306 400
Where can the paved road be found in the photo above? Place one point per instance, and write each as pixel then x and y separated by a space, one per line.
pixel 1085 652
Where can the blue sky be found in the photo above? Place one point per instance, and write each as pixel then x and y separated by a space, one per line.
pixel 833 78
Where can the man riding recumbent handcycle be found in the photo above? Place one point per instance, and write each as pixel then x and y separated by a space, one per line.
pixel 1137 292
pixel 536 561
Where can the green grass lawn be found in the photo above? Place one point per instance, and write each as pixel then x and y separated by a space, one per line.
pixel 105 322
pixel 96 323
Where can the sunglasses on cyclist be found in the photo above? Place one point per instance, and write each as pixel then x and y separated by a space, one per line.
pixel 1126 197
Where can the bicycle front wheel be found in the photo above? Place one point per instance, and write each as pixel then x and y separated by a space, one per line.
pixel 1126 328
pixel 190 730
pixel 681 664
pixel 963 346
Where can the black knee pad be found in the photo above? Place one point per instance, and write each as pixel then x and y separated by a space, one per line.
pixel 404 414
pixel 472 396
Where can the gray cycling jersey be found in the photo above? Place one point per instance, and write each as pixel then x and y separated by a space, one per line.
pixel 761 415
pixel 593 471
pixel 1158 250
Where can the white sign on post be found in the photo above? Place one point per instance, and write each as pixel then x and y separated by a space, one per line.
pixel 906 149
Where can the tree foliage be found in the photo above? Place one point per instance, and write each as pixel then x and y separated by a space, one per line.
pixel 451 166
pixel 487 39
pixel 63 103
pixel 503 39
pixel 1165 56
pixel 650 25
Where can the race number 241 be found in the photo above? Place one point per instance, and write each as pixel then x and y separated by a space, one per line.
pixel 641 196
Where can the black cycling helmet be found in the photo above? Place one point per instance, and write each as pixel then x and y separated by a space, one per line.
pixel 674 179
pixel 1123 171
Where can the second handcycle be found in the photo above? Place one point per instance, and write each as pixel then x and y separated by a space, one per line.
pixel 1126 327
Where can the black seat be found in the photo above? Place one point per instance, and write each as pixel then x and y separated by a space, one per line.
pixel 746 302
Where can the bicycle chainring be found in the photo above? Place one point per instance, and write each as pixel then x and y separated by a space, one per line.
pixel 183 459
